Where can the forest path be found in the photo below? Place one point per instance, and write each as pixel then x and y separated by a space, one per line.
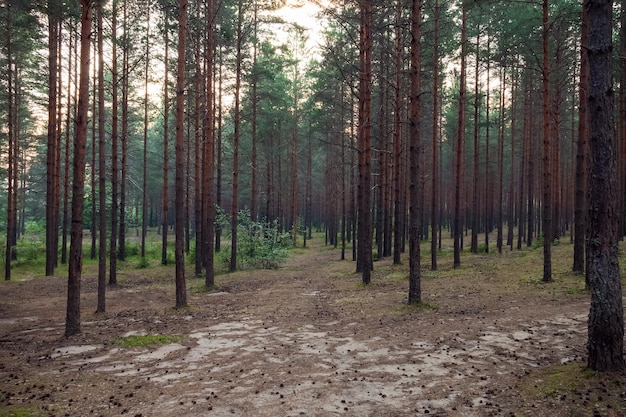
pixel 304 340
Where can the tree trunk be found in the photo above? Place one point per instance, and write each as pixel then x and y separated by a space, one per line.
pixel 434 204
pixel 235 202
pixel 72 320
pixel 166 118
pixel 125 86
pixel 606 315
pixel 580 221
pixel 209 152
pixel 114 151
pixel 181 290
pixel 475 168
pixel 458 175
pixel 397 140
pixel 415 291
pixel 364 242
pixel 12 159
pixel 144 191
pixel 102 248
pixel 51 213
pixel 547 152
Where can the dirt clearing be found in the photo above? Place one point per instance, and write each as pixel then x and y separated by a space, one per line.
pixel 309 340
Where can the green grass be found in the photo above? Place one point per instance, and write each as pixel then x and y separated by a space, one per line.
pixel 20 412
pixel 147 340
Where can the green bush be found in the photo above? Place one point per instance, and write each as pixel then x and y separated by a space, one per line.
pixel 259 244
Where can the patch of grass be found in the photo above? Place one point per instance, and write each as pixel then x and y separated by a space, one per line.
pixel 421 307
pixel 20 412
pixel 577 389
pixel 200 288
pixel 397 276
pixel 146 340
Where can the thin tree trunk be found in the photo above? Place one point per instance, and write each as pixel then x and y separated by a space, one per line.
pixel 459 178
pixel 125 86
pixel 102 248
pixel 114 152
pixel 500 200
pixel 51 250
pixel 144 193
pixel 166 118
pixel 397 139
pixel 580 221
pixel 181 290
pixel 235 202
pixel 475 195
pixel 66 172
pixel 209 152
pixel 415 150
pixel 72 320
pixel 364 242
pixel 12 158
pixel 547 149
pixel 434 205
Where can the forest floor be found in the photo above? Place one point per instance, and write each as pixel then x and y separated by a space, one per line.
pixel 308 339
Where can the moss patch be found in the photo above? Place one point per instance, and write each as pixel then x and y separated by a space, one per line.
pixel 147 340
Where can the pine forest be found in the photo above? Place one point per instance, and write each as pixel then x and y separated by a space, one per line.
pixel 278 166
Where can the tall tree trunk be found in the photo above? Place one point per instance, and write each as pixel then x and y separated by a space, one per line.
pixel 125 87
pixel 255 99
pixel 397 138
pixel 488 196
pixel 72 320
pixel 235 202
pixel 181 290
pixel 500 200
pixel 434 204
pixel 475 168
pixel 209 152
pixel 71 71
pixel 144 191
pixel 547 149
pixel 580 221
pixel 415 150
pixel 12 158
pixel 218 151
pixel 458 174
pixel 364 242
pixel 606 316
pixel 166 118
pixel 199 219
pixel 114 150
pixel 102 247
pixel 51 213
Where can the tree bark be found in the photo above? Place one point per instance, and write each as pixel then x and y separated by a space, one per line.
pixel 415 291
pixel 72 320
pixel 235 202
pixel 458 185
pixel 166 118
pixel 547 152
pixel 102 212
pixel 114 151
pixel 181 289
pixel 51 213
pixel 580 221
pixel 364 257
pixel 434 205
pixel 606 316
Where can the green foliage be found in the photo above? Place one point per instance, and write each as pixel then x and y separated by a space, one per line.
pixel 259 244
pixel 19 412
pixel 147 340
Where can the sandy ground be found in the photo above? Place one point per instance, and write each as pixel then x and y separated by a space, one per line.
pixel 304 340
